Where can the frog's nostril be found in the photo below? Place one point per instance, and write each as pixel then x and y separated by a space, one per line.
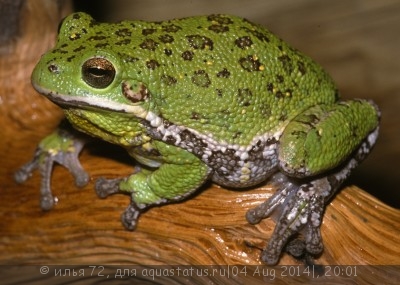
pixel 53 68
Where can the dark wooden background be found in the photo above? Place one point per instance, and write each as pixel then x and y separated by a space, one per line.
pixel 356 41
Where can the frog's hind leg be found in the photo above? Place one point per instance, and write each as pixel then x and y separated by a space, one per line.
pixel 298 206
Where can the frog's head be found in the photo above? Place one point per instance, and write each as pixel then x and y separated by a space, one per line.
pixel 86 77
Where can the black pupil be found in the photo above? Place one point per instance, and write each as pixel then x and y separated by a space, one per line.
pixel 98 72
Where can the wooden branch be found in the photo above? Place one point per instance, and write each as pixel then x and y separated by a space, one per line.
pixel 208 229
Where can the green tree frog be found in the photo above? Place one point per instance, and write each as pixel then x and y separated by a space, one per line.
pixel 208 97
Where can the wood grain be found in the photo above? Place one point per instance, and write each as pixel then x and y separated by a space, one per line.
pixel 208 229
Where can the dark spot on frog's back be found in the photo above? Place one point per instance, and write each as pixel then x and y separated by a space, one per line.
pixel 53 68
pixel 93 23
pixel 243 42
pixel 286 63
pixel 200 42
pixel 187 55
pixel 301 67
pixel 195 116
pixel 250 63
pixel 152 64
pixel 149 44
pixel 123 33
pixel 224 73
pixel 166 39
pixel 255 31
pixel 168 52
pixel 168 80
pixel 146 32
pixel 244 96
pixel 220 19
pixel 74 36
pixel 279 94
pixel 270 87
pixel 218 29
pixel 80 48
pixel 97 38
pixel 59 51
pixel 201 79
pixel 261 36
pixel 171 28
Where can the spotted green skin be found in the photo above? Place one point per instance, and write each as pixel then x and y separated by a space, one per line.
pixel 213 97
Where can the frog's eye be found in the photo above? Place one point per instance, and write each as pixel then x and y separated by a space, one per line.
pixel 98 72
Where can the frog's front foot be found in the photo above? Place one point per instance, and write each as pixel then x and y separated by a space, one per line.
pixel 130 216
pixel 298 209
pixel 61 147
pixel 106 187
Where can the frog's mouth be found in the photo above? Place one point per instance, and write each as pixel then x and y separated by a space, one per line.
pixel 92 103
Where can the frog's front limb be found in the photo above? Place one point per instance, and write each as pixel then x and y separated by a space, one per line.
pixel 179 174
pixel 62 146
pixel 302 194
pixel 105 187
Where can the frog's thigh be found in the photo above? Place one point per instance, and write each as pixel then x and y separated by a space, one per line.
pixel 180 174
pixel 323 136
